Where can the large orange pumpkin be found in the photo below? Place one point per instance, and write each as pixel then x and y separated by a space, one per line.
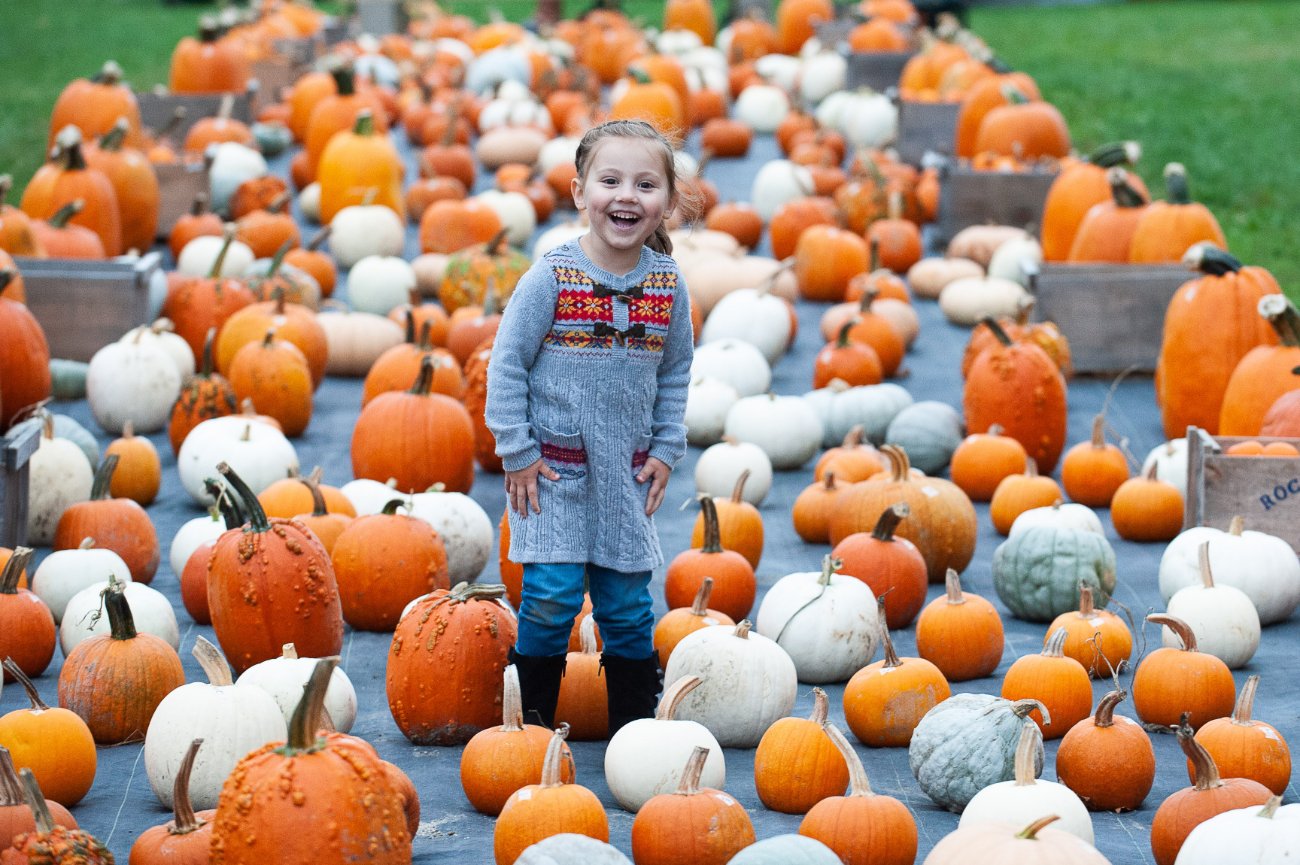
pixel 94 104
pixel 68 178
pixel 1169 228
pixel 1079 185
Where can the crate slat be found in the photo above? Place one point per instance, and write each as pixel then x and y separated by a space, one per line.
pixel 16 450
pixel 968 197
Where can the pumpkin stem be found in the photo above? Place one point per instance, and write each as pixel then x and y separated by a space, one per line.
pixel 199 205
pixel 68 143
pixel 64 214
pixel 1105 714
pixel 828 482
pixel 257 521
pixel 1121 191
pixel 1087 605
pixel 1204 769
pixel 424 381
pixel 1246 702
pixel 6 183
pixel 551 762
pixel 842 339
pixel 1237 526
pixel 889 519
pixel 1176 191
pixel 426 336
pixel 1055 645
pixel 227 238
pixel 952 587
pixel 1030 832
pixel 743 629
pixel 821 707
pixel 231 514
pixel 184 820
pixel 712 533
pixel 120 620
pixel 853 438
pixel 33 696
pixel 213 663
pixel 111 141
pixel 345 79
pixel 319 238
pixel 1022 708
pixel 673 696
pixel 365 123
pixel 830 565
pixel 289 650
pixel 11 789
pixel 998 332
pixel 512 706
pixel 1099 432
pixel 690 783
pixel 14 569
pixel 306 718
pixel 1282 315
pixel 206 367
pixel 701 605
pixel 1212 261
pixel 1270 807
pixel 36 801
pixel 738 492
pixel 1203 561
pixel 1030 737
pixel 587 635
pixel 390 509
pixel 859 784
pixel 891 656
pixel 318 508
pixel 899 465
pixel 1116 153
pixel 1178 626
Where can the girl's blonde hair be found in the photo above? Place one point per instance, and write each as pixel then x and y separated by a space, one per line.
pixel 658 241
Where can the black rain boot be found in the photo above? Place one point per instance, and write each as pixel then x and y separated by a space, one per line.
pixel 633 686
pixel 539 686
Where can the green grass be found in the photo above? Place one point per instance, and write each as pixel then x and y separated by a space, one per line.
pixel 1202 83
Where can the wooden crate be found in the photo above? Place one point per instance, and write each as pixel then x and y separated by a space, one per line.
pixel 878 70
pixel 84 305
pixel 177 185
pixel 968 197
pixel 924 127
pixel 291 60
pixel 1113 314
pixel 1265 491
pixel 16 450
pixel 157 107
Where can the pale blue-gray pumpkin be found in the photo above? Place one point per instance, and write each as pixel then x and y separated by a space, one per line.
pixel 1037 572
pixel 67 428
pixel 68 378
pixel 786 850
pixel 570 849
pixel 929 431
pixel 966 743
pixel 870 406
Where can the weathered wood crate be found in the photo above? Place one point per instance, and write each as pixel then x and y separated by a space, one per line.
pixel 1265 491
pixel 158 107
pixel 1113 314
pixel 292 59
pixel 16 449
pixel 925 127
pixel 879 70
pixel 178 183
pixel 84 305
pixel 968 197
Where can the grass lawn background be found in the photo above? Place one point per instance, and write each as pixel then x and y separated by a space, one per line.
pixel 1203 83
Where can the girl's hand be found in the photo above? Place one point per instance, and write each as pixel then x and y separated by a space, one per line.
pixel 521 487
pixel 656 471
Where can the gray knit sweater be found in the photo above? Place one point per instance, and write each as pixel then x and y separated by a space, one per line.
pixel 589 372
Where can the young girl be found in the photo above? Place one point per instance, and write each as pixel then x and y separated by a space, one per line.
pixel 586 398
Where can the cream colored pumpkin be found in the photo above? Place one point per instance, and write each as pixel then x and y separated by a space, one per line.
pixel 734 361
pixel 59 475
pixel 162 334
pixel 785 427
pixel 707 402
pixel 64 573
pixel 779 181
pixel 258 452
pixel 1170 460
pixel 84 616
pixel 721 465
pixel 198 257
pixel 1222 617
pixel 284 678
pixel 359 230
pixel 762 107
pixel 379 283
pixel 464 527
pixel 356 340
pixel 754 315
pixel 192 535
pixel 1262 566
pixel 521 144
pixel 928 277
pixel 1066 514
pixel 966 301
pixel 979 242
pixel 515 211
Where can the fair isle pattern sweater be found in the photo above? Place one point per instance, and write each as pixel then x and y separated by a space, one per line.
pixel 589 372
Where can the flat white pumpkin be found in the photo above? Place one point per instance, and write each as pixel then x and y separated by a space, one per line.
pixel 736 362
pixel 360 230
pixel 1222 618
pixel 84 617
pixel 754 315
pixel 762 107
pixel 1257 835
pixel 64 573
pixel 135 381
pixel 1261 565
pixel 785 427
pixel 1069 515
pixel 355 340
pixel 965 301
pixel 720 467
pixel 285 677
pixel 161 333
pixel 464 527
pixel 258 452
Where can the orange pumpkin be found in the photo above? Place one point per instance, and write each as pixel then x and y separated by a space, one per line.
pixel 891 566
pixel 1170 682
pixel 1093 470
pixel 1245 748
pixel 796 764
pixel 960 633
pixel 1169 228
pixel 134 183
pixel 1054 679
pixel 1107 759
pixel 54 743
pixel 205 395
pixel 1264 373
pixel 187 837
pixel 825 258
pixel 852 461
pixel 1147 509
pixel 983 460
pixel 360 166
pixel 981 98
pixel 884 701
pixel 117 524
pixel 292 322
pixel 1021 492
pixel 384 561
pixel 680 622
pixel 274 374
pixel 732 573
pixel 1097 639
pixel 583 702
pixel 139 470
pixel 67 178
pixel 740 528
pixel 27 635
pixel 1079 185
pixel 208 64
pixel 691 825
pixel 94 105
pixel 1106 231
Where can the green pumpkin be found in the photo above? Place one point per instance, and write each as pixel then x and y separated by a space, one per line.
pixel 929 431
pixel 67 428
pixel 1037 572
pixel 966 743
pixel 272 138
pixel 68 378
pixel 786 850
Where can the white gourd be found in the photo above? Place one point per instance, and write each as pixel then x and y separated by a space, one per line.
pixel 59 475
pixel 1222 618
pixel 736 362
pixel 464 527
pixel 966 301
pixel 84 617
pixel 162 334
pixel 309 202
pixel 378 283
pixel 778 182
pixel 258 452
pixel 64 573
pixel 1261 565
pixel 785 427
pixel 360 230
pixel 355 340
pixel 707 402
pixel 517 214
pixel 754 315
pixel 1070 515
pixel 285 677
pixel 133 381
pixel 822 74
pixel 1010 258
pixel 1266 834
pixel 721 466
pixel 762 107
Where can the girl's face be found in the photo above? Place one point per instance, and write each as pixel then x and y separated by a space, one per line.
pixel 625 194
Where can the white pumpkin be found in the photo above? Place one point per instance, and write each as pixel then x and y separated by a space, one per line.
pixel 1010 258
pixel 677 41
pixel 560 150
pixel 430 269
pixel 1027 799
pixel 865 117
pixel 1170 460
pixel 64 573
pixel 748 682
pixel 754 315
pixel 736 362
pixel 162 334
pixel 356 340
pixel 464 527
pixel 646 757
pixel 779 181
pixel 827 622
pixel 285 677
pixel 928 277
pixel 369 496
pixel 707 402
pixel 378 283
pixel 516 212
pixel 522 144
pixel 58 475
pixel 721 466
pixel 192 535
pixel 822 74
pixel 84 616
pixel 309 202
pixel 1261 565
pixel 231 719
pixel 873 407
pixel 687 241
pixel 1222 618
pixel 785 427
pixel 258 452
pixel 132 381
pixel 558 235
pixel 1068 515
pixel 231 164
pixel 359 230
pixel 568 848
pixel 965 301
pixel 200 255
pixel 780 70
pixel 305 284
pixel 1257 835
pixel 485 72
pixel 514 111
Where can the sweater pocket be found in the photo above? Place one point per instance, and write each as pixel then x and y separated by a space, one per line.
pixel 641 452
pixel 563 452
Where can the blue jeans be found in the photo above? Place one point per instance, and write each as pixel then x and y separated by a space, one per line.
pixel 552 598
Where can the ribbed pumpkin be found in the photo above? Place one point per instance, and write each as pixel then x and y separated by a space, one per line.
pixel 1170 682
pixel 884 701
pixel 289 497
pixel 796 764
pixel 1264 373
pixel 960 633
pixel 446 661
pixel 733 575
pixel 691 825
pixel 116 681
pixel 1054 679
pixel 1245 748
pixel 1209 795
pixel 134 182
pixel 26 624
pixel 51 841
pixel 116 524
pixel 271 583
pixel 94 105
pixel 1017 386
pixel 1024 128
pixel 891 566
pixel 1018 493
pixel 1169 228
pixel 16 817
pixel 187 837
pixel 982 460
pixel 1107 759
pixel 1078 186
pixel 863 828
pixel 1097 639
pixel 498 761
pixel 941 524
pixel 277 799
pixel 471 270
pixel 54 743
pixel 583 702
pixel 68 178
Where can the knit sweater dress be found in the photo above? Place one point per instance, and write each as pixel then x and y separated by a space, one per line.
pixel 589 372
